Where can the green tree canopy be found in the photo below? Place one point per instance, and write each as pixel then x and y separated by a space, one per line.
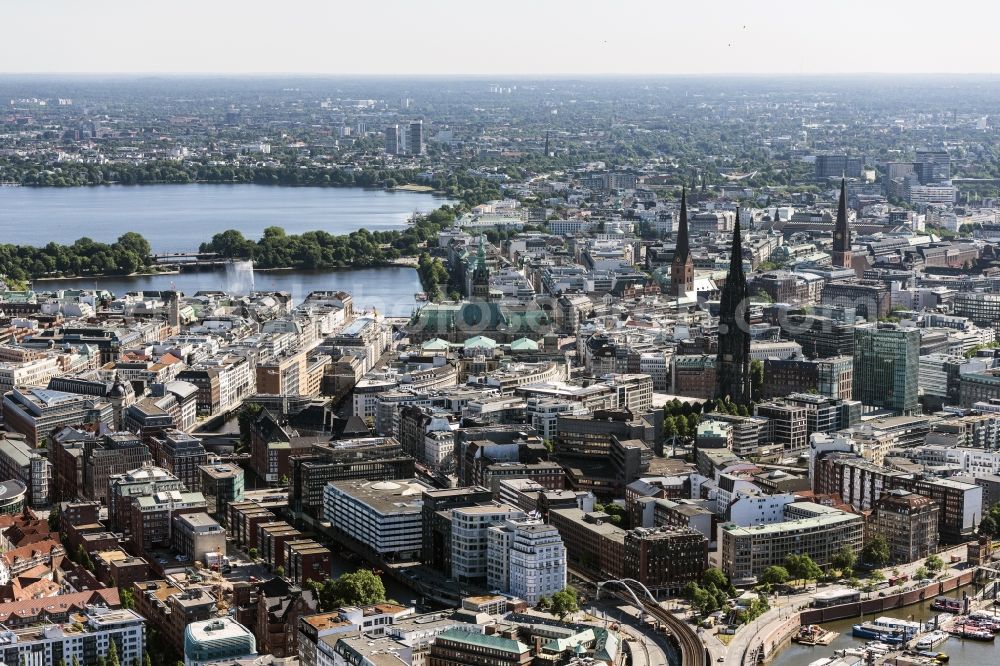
pixel 359 588
pixel 876 552
pixel 802 567
pixel 845 558
pixel 564 602
pixel 774 575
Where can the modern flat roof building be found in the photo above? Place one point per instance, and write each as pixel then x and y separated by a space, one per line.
pixel 82 640
pixel 217 639
pixel 525 558
pixel 19 460
pixel 385 516
pixel 811 529
pixel 887 367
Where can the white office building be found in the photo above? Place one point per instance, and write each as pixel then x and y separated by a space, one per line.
pixel 544 414
pixel 81 641
pixel 470 538
pixel 383 515
pixel 526 559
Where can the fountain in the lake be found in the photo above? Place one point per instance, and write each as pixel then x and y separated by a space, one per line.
pixel 239 277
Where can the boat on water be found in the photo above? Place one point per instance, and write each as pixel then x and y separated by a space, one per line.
pixel 909 629
pixel 850 652
pixel 932 640
pixel 985 621
pixel 813 634
pixel 939 657
pixel 879 648
pixel 973 633
pixel 947 604
pixel 875 632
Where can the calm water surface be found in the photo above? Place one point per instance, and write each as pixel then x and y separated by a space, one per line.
pixel 178 218
pixel 389 290
pixel 962 652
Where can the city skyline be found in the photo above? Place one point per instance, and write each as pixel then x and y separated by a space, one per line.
pixel 445 38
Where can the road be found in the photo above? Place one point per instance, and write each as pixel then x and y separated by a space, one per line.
pixel 747 638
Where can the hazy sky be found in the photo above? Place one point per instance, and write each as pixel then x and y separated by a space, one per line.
pixel 499 36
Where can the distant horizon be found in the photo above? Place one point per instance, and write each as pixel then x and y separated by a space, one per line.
pixel 524 38
pixel 500 75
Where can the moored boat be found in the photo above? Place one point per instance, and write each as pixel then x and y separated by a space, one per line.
pixel 932 640
pixel 976 634
pixel 875 632
pixel 947 604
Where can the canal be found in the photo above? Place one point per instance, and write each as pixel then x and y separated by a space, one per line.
pixel 961 651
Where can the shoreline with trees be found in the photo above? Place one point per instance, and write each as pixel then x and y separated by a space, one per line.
pixel 131 254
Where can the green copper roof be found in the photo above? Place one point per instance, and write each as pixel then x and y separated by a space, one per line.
pixel 437 344
pixel 482 640
pixel 524 344
pixel 480 341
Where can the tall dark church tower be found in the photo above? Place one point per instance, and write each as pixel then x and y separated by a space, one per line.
pixel 732 365
pixel 481 275
pixel 682 266
pixel 842 255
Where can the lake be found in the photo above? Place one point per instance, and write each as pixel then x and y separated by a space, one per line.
pixel 178 218
pixel 389 290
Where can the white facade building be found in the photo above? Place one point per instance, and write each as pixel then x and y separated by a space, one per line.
pixel 439 445
pixel 544 414
pixel 965 460
pixel 383 515
pixel 525 558
pixel 469 538
pixel 66 643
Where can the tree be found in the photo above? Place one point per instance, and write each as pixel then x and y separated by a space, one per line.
pixel 616 512
pixel 692 424
pixel 253 553
pixel 715 576
pixel 360 588
pixel 113 654
pixel 988 526
pixel 844 559
pixel 670 429
pixel 774 575
pixel 802 567
pixel 245 418
pixel 54 518
pixel 544 603
pixel 279 571
pixel 126 597
pixel 876 552
pixel 565 602
pixel 934 564
pixel 877 576
pixel 921 573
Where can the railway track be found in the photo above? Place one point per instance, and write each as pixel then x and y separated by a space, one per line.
pixel 693 651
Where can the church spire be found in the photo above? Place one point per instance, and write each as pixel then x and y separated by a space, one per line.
pixel 736 255
pixel 682 265
pixel 732 363
pixel 683 244
pixel 842 232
